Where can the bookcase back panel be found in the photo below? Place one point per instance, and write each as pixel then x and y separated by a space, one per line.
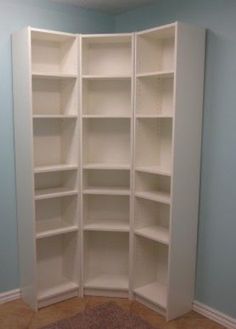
pixel 154 96
pixel 107 141
pixel 154 142
pixel 107 97
pixel 54 56
pixel 106 253
pixel 55 213
pixel 150 213
pixel 106 208
pixel 105 56
pixel 58 136
pixel 57 261
pixel 54 96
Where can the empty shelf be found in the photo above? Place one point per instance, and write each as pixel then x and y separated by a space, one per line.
pixel 106 191
pixel 156 74
pixel 62 167
pixel 107 225
pixel 45 228
pixel 111 166
pixel 108 281
pixel 55 116
pixel 105 116
pixel 154 116
pixel 104 77
pixel 53 193
pixel 154 196
pixel 154 170
pixel 60 286
pixel 155 233
pixel 154 292
pixel 52 75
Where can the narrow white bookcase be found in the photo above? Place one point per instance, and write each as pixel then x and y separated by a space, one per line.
pixel 47 153
pixel 108 141
pixel 169 75
pixel 107 158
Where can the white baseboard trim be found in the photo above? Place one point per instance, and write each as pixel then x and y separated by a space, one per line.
pixel 214 315
pixel 9 296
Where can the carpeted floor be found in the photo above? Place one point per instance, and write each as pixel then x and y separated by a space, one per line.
pixel 106 316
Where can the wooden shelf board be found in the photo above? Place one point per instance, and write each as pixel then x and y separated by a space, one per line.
pixel 53 193
pixel 107 166
pixel 107 226
pixel 60 285
pixel 105 116
pixel 155 293
pixel 55 116
pixel 154 196
pixel 45 169
pixel 155 233
pixel 106 191
pixel 53 75
pixel 153 170
pixel 156 74
pixel 106 77
pixel 108 281
pixel 154 116
pixel 49 228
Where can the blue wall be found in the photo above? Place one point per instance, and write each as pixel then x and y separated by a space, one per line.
pixel 216 270
pixel 15 14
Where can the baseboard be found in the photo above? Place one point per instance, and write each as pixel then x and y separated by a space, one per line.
pixel 9 296
pixel 214 315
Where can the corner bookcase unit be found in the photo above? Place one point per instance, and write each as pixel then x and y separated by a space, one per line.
pixel 169 77
pixel 107 143
pixel 46 96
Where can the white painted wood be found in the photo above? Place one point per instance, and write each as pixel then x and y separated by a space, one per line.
pixel 151 269
pixel 55 168
pixel 190 44
pixel 107 225
pixel 111 160
pixel 153 292
pixel 106 210
pixel 108 282
pixel 21 52
pixel 106 141
pixel 111 55
pixel 57 265
pixel 106 260
pixel 52 93
pixel 155 233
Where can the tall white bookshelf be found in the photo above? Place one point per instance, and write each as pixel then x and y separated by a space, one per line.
pixel 46 137
pixel 108 136
pixel 169 75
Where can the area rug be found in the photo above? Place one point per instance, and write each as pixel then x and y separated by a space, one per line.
pixel 105 316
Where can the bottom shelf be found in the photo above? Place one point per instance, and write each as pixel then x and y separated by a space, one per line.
pixel 108 281
pixel 60 286
pixel 155 293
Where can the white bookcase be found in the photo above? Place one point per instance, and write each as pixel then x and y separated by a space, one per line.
pixel 108 136
pixel 107 143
